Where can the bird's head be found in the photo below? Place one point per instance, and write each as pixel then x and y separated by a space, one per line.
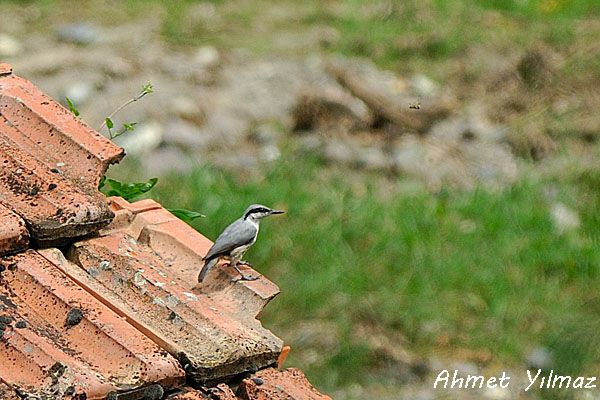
pixel 258 211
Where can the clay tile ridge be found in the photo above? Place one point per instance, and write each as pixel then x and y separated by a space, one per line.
pixel 51 163
pixel 145 266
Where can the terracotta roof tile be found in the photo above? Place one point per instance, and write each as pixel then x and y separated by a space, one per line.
pixel 13 232
pixel 121 312
pixel 146 270
pixel 51 163
pixel 61 339
pixel 290 384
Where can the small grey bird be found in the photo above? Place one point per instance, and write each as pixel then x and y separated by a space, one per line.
pixel 236 239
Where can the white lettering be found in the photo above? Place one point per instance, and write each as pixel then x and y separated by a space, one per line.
pixel 458 381
pixel 475 378
pixel 439 378
pixel 590 384
pixel 532 381
pixel 504 378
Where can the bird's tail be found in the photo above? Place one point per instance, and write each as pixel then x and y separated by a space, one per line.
pixel 208 264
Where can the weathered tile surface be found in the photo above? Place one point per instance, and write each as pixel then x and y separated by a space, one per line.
pixel 145 267
pixel 58 339
pixel 51 163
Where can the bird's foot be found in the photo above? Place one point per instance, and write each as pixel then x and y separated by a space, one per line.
pixel 246 263
pixel 243 277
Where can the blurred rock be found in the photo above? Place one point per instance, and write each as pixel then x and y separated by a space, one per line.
pixel 269 153
pixel 338 151
pixel 314 112
pixel 145 138
pixel 82 33
pixel 497 393
pixel 465 164
pixel 264 134
pixel 565 219
pixel 538 65
pixel 9 46
pixel 310 143
pixel 539 358
pixel 166 159
pixel 79 92
pixel 186 135
pixel 373 158
pixel 186 108
pixel 473 125
pixel 206 57
pixel 466 368
pixel 423 86
pixel 388 96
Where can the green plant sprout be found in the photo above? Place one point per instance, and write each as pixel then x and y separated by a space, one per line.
pixel 72 107
pixel 131 190
pixel 108 122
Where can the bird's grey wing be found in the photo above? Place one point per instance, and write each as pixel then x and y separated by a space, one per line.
pixel 239 233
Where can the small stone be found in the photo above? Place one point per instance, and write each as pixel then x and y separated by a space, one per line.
pixel 148 137
pixel 564 218
pixel 79 92
pixel 258 381
pixel 497 393
pixel 373 159
pixel 423 86
pixel 186 108
pixel 9 46
pixel 207 56
pixel 264 134
pixel 74 317
pixel 339 152
pixel 154 392
pixel 82 33
pixel 269 153
pixel 184 134
pixel 539 358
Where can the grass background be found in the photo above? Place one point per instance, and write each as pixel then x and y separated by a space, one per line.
pixel 483 275
pixel 477 275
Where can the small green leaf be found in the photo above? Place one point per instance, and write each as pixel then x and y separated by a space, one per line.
pixel 102 181
pixel 109 123
pixel 128 191
pixel 147 88
pixel 72 107
pixel 128 127
pixel 185 215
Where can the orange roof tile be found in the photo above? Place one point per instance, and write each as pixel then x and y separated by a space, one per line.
pixel 67 338
pixel 13 232
pixel 271 384
pixel 117 314
pixel 51 163
pixel 146 270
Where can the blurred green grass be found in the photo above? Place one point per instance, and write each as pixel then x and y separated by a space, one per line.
pixel 453 271
pixel 488 270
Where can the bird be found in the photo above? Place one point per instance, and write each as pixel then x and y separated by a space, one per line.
pixel 236 239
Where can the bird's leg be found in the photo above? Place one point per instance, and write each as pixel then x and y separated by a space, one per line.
pixel 242 277
pixel 246 263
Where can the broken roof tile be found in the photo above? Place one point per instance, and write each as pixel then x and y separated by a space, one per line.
pixel 146 270
pixel 13 232
pixel 67 340
pixel 290 384
pixel 51 163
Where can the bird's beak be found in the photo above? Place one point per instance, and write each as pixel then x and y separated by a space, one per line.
pixel 277 212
